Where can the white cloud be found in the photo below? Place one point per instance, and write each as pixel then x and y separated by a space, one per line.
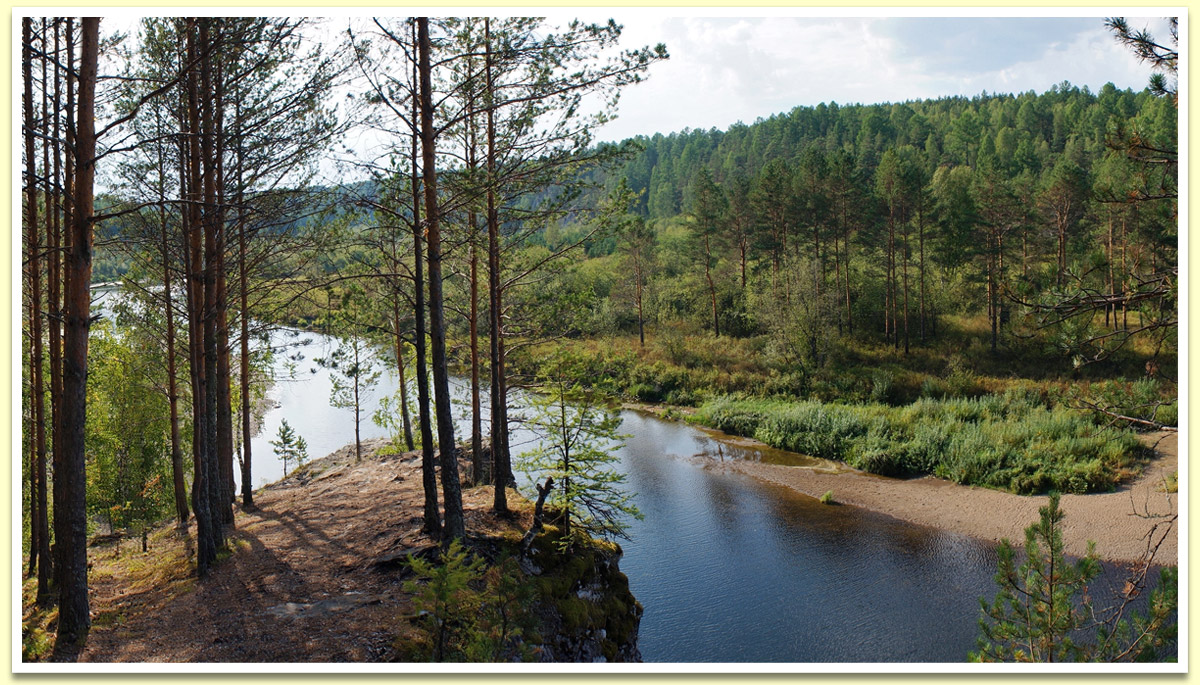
pixel 723 70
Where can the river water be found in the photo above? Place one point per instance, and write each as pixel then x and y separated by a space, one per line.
pixel 727 567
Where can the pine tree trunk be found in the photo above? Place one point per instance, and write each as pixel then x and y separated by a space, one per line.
pixel 69 184
pixel 889 307
pixel 40 494
pixel 712 288
pixel 991 288
pixel 211 225
pixel 54 310
pixel 904 276
pixel 407 422
pixel 1110 311
pixel 244 319
pixel 71 510
pixel 50 197
pixel 742 247
pixel 476 420
pixel 641 317
pixel 500 468
pixel 433 520
pixel 921 267
pixel 357 403
pixel 37 453
pixel 206 549
pixel 180 488
pixel 477 476
pixel 224 372
pixel 447 450
pixel 846 239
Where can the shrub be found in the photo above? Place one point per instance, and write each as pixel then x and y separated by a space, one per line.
pixel 1011 441
pixel 471 612
pixel 882 390
pixel 444 599
pixel 1044 612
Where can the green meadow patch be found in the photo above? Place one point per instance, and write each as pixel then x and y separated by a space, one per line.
pixel 1011 441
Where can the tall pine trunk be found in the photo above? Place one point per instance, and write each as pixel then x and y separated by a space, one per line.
pixel 712 288
pixel 70 512
pixel 473 226
pixel 904 275
pixel 221 306
pixel 177 478
pixel 244 320
pixel 54 311
pixel 448 459
pixel 500 466
pixel 433 519
pixel 37 452
pixel 921 266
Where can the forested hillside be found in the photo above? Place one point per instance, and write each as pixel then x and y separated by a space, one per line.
pixel 416 213
pixel 1041 227
pixel 885 217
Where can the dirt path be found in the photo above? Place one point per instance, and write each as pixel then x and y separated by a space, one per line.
pixel 300 585
pixel 1110 519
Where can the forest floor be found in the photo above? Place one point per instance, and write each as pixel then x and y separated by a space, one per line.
pixel 1119 522
pixel 313 573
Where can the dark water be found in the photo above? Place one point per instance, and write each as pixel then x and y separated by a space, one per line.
pixel 731 569
pixel 728 568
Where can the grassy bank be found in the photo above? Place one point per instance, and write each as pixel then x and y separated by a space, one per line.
pixel 1013 441
pixel 686 368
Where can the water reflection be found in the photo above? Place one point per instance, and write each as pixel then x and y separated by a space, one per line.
pixel 732 569
pixel 728 568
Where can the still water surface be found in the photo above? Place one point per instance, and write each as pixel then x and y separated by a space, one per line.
pixel 728 568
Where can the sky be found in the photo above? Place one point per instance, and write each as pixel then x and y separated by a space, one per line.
pixel 728 69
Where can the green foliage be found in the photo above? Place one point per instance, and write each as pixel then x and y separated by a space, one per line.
pixel 470 611
pixel 387 417
pixel 1035 615
pixel 827 497
pixel 444 600
pixel 1043 611
pixel 505 624
pixel 1009 442
pixel 1141 402
pixel 289 447
pixel 128 427
pixel 578 439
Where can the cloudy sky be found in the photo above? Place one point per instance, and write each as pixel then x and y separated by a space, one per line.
pixel 728 69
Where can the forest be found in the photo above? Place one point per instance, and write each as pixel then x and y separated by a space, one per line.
pixel 981 289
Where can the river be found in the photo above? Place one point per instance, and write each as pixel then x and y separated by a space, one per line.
pixel 728 568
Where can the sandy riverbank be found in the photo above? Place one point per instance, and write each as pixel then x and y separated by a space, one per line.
pixel 1110 519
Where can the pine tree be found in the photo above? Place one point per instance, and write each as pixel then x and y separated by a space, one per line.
pixel 1043 608
pixel 579 439
pixel 289 446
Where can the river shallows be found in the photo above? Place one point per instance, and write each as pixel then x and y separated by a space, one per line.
pixel 727 567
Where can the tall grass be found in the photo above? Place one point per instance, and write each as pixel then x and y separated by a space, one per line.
pixel 1012 441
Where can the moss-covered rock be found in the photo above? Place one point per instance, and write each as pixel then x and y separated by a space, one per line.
pixel 586 609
